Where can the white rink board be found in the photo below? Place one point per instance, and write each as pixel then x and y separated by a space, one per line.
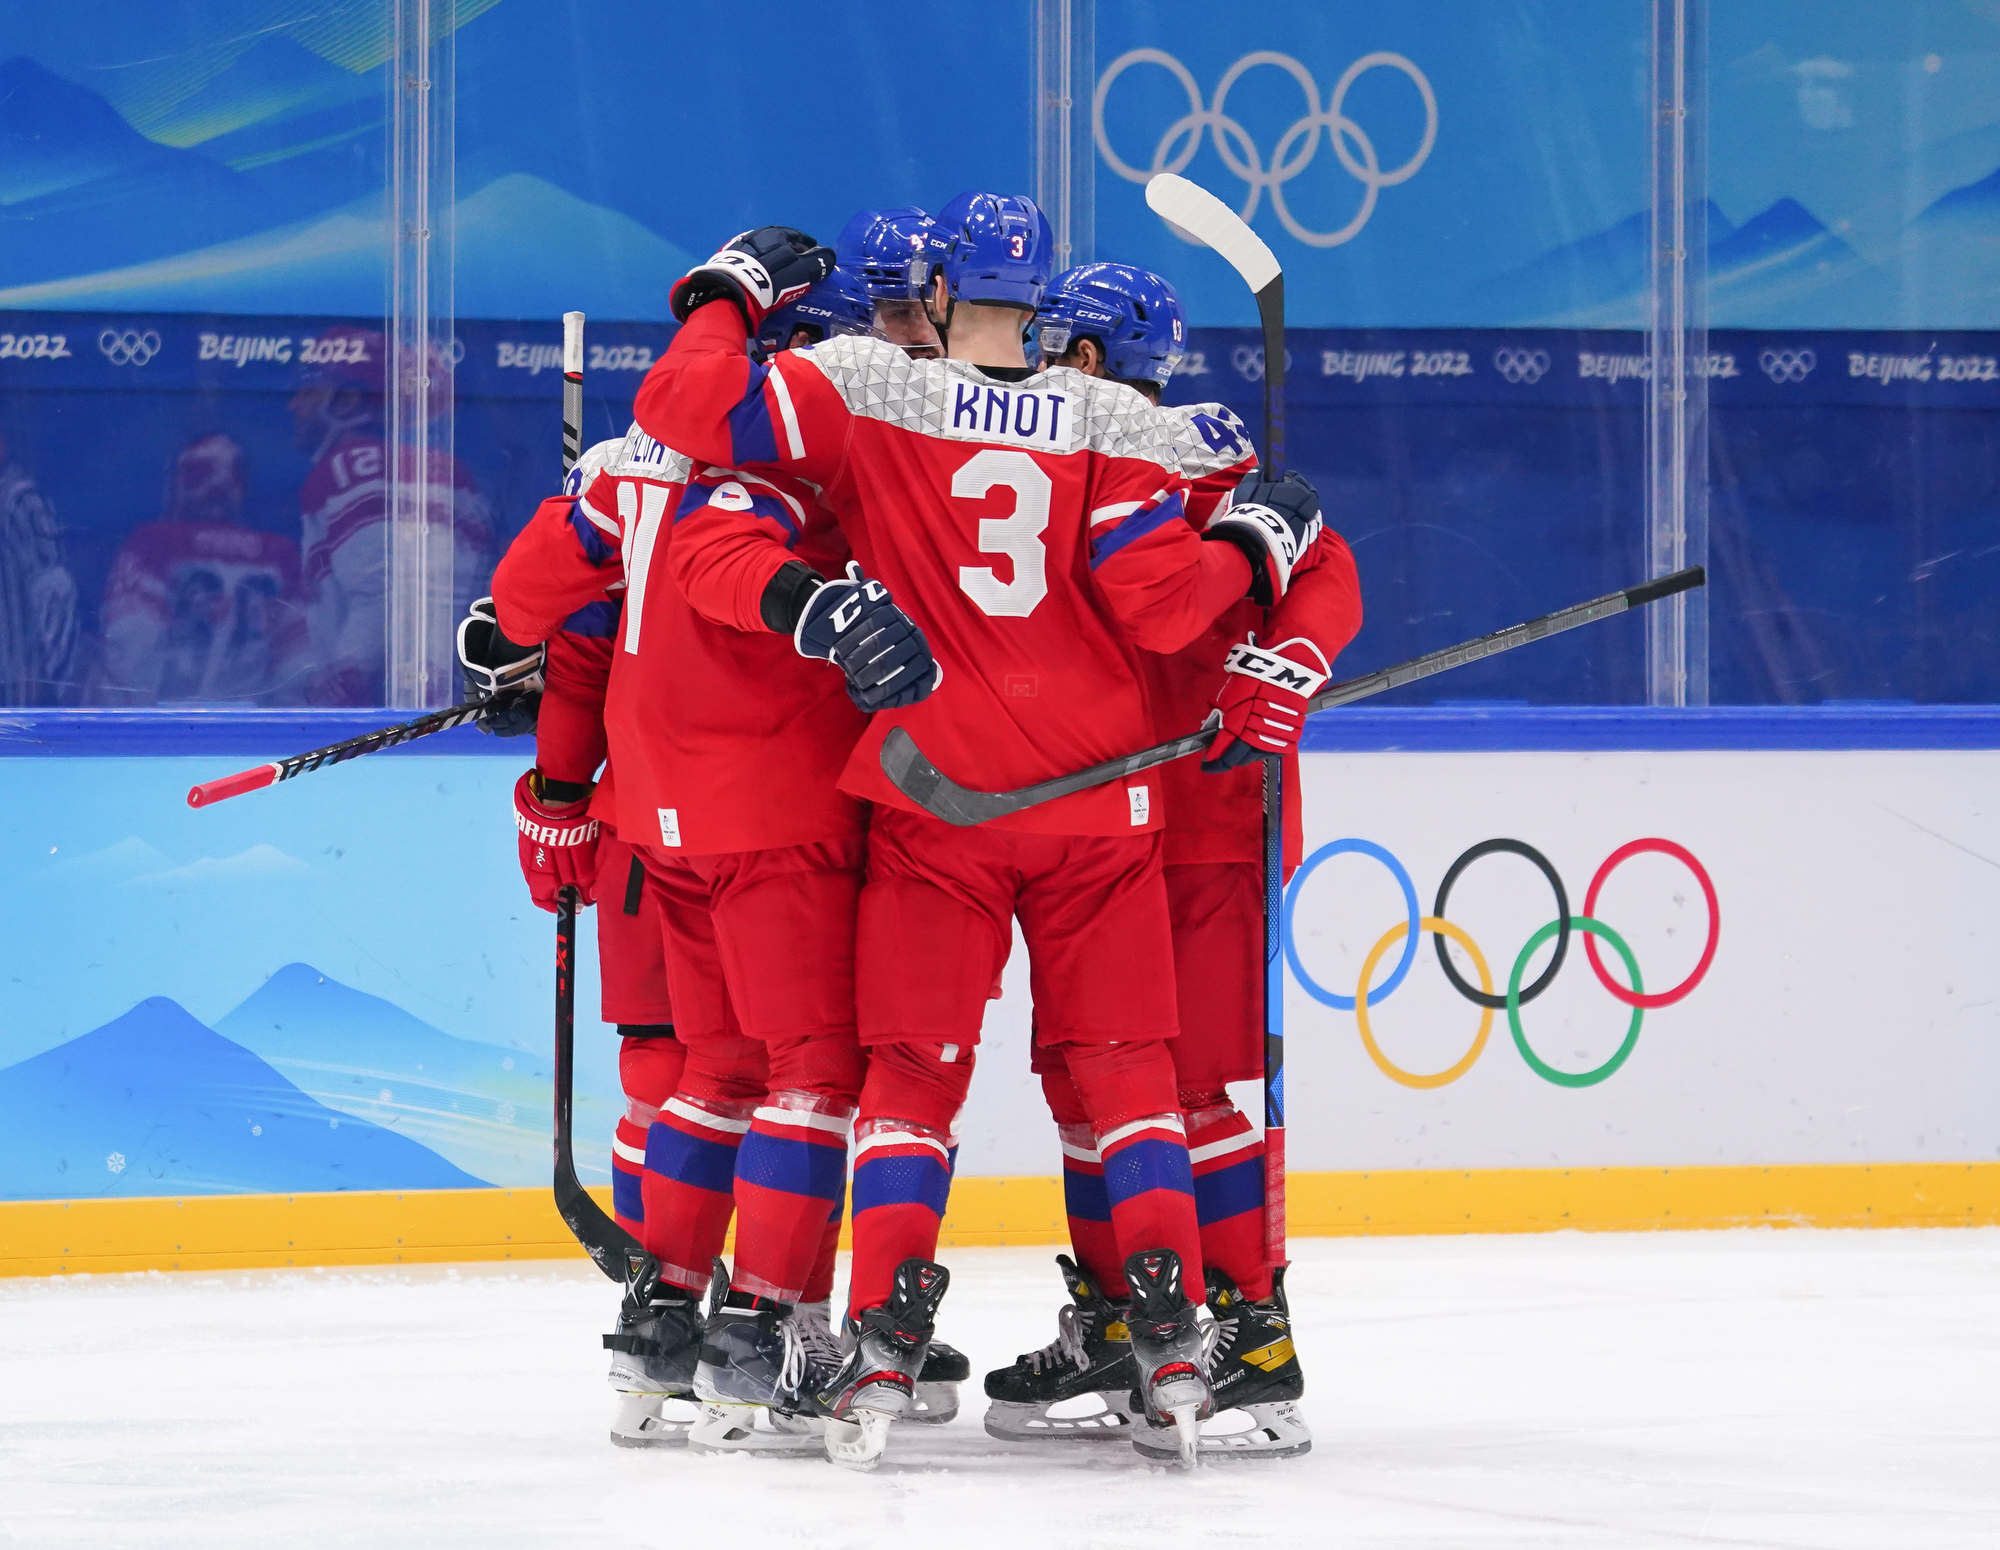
pixel 1851 1014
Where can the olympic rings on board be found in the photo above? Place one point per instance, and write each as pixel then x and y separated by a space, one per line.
pixel 1368 995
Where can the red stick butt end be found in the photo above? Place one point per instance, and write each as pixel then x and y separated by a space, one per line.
pixel 232 785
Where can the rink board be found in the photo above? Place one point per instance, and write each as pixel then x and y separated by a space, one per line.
pixel 264 1034
pixel 430 1226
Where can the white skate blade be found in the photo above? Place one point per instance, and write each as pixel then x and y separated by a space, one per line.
pixel 644 1420
pixel 1187 1423
pixel 723 1428
pixel 1014 1421
pixel 857 1442
pixel 1274 1430
pixel 933 1404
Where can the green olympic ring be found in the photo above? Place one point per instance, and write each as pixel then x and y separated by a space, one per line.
pixel 1541 1067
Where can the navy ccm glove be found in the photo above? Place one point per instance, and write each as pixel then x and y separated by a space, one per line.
pixel 854 624
pixel 759 270
pixel 1275 522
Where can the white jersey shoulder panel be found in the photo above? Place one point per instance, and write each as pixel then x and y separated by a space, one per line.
pixel 1209 438
pixel 1058 410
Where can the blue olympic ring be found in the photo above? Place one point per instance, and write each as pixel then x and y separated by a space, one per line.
pixel 1313 988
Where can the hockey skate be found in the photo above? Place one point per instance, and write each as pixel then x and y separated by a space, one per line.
pixel 876 1384
pixel 1090 1356
pixel 757 1375
pixel 1254 1372
pixel 935 1400
pixel 1167 1350
pixel 652 1359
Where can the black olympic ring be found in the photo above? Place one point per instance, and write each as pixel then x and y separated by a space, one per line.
pixel 1528 853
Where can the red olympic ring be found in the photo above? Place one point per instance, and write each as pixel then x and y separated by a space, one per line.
pixel 1686 859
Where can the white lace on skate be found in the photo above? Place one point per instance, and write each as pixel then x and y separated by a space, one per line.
pixel 811 1325
pixel 1073 1326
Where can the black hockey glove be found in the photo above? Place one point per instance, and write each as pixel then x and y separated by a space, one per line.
pixel 759 270
pixel 1274 522
pixel 495 668
pixel 853 624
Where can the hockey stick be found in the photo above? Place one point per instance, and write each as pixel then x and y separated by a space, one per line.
pixel 610 1246
pixel 911 771
pixel 258 776
pixel 1206 218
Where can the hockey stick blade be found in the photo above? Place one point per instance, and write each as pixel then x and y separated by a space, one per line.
pixel 911 771
pixel 1212 223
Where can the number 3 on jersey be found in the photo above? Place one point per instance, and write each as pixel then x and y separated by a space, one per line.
pixel 1017 536
pixel 641 505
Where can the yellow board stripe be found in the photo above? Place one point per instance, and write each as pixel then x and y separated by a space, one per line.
pixel 227 1232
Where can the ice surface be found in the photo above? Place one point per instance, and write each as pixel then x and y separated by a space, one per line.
pixel 1783 1389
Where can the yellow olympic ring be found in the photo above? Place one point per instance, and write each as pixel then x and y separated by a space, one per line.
pixel 1383 1063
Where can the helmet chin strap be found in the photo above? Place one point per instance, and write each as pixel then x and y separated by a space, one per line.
pixel 942 324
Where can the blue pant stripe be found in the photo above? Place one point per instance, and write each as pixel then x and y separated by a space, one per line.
pixel 796 1166
pixel 628 1199
pixel 686 1159
pixel 1084 1196
pixel 1144 1165
pixel 901 1181
pixel 1229 1191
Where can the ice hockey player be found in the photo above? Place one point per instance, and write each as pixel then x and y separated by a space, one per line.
pixel 199 605
pixel 880 249
pixel 563 595
pixel 1116 321
pixel 759 936
pixel 337 420
pixel 1071 485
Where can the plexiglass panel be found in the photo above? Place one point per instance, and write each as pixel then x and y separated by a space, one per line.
pixel 194 273
pixel 1854 259
pixel 1460 197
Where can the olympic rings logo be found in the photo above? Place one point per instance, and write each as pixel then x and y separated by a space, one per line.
pixel 1787 365
pixel 1296 147
pixel 128 347
pixel 1521 366
pixel 1632 993
pixel 1248 361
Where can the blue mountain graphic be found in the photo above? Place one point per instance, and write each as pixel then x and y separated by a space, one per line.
pixel 82 191
pixel 484 1106
pixel 1608 269
pixel 155 1103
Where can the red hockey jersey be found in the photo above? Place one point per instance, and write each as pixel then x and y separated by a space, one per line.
pixel 1220 816
pixel 1034 528
pixel 720 741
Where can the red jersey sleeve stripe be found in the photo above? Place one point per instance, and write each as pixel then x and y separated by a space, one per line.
pixel 752 437
pixel 1146 519
pixel 795 447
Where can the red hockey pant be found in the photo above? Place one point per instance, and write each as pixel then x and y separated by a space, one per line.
pixel 935 924
pixel 1218 928
pixel 760 954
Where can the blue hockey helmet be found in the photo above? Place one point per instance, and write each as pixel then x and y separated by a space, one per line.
pixel 992 248
pixel 1133 314
pixel 837 305
pixel 880 248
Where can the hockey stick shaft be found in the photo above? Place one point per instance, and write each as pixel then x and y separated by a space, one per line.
pixel 610 1247
pixel 608 1244
pixel 913 773
pixel 258 776
pixel 572 390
